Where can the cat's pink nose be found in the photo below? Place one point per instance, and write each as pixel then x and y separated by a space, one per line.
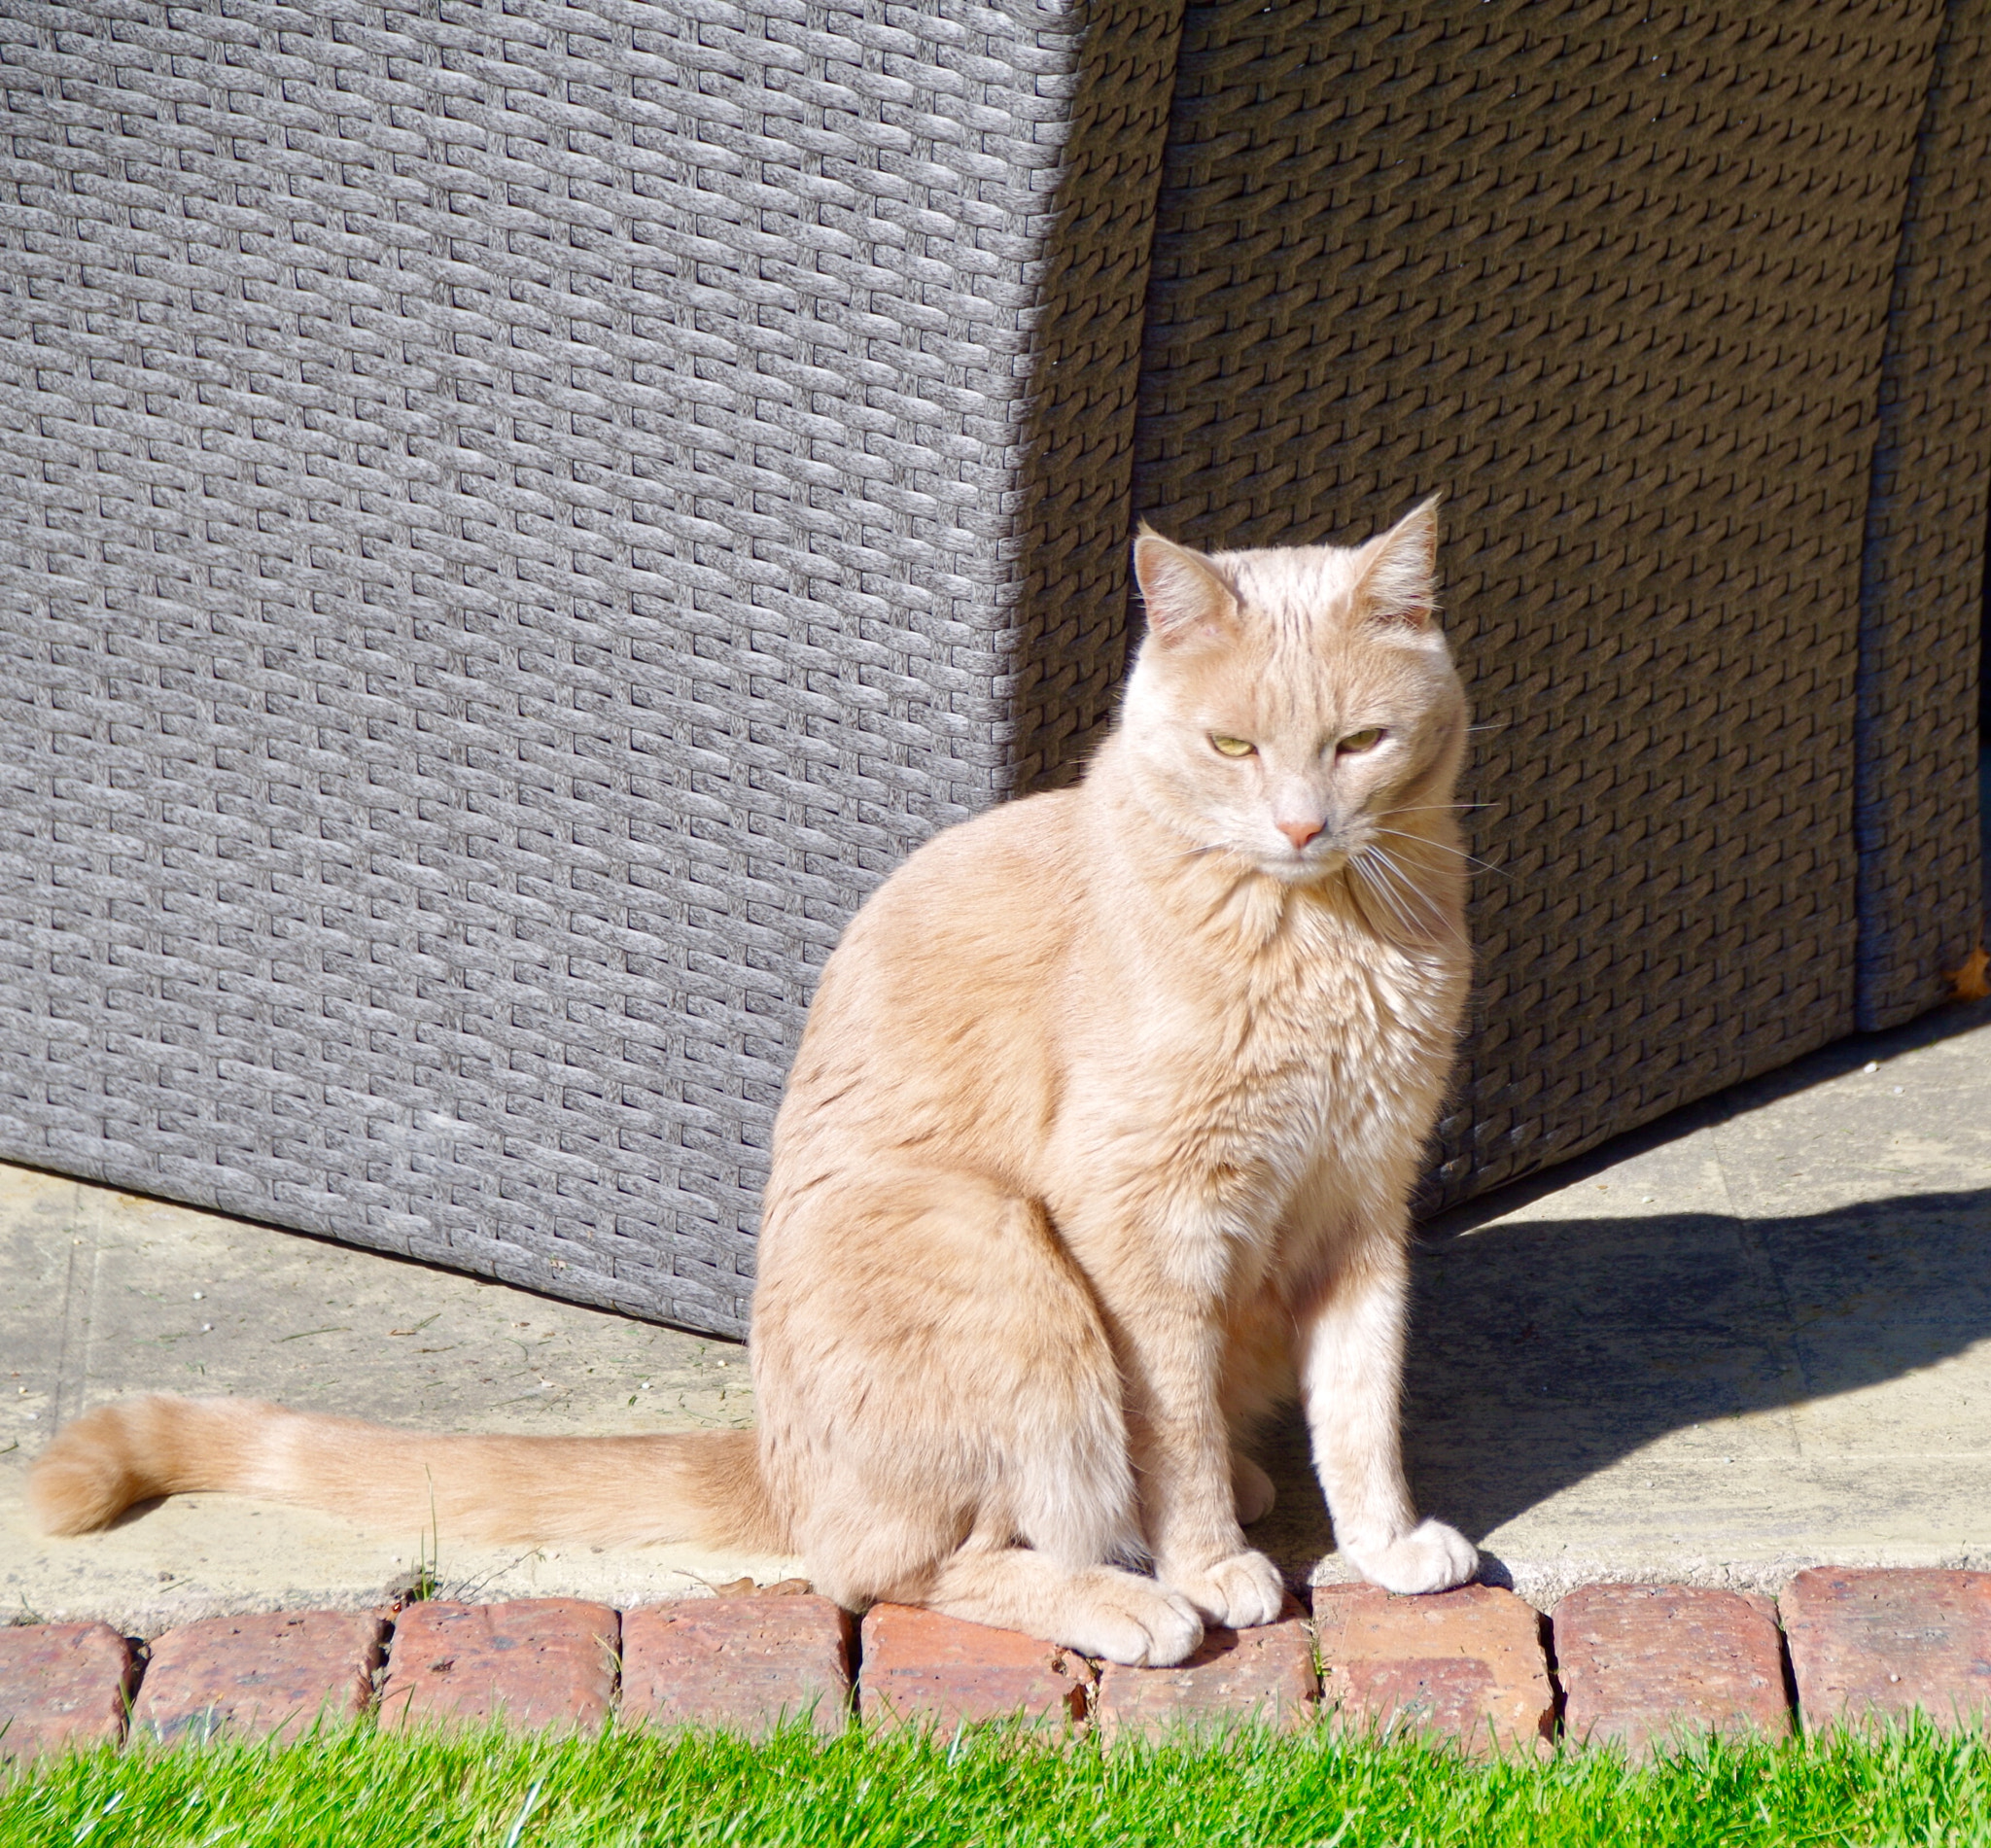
pixel 1299 832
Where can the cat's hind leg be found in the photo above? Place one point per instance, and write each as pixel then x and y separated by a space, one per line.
pixel 1099 1611
pixel 941 1407
pixel 1257 1383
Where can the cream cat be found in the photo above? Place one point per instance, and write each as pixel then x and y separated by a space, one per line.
pixel 1097 1147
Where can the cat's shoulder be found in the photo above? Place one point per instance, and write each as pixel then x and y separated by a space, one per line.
pixel 1012 872
pixel 1031 836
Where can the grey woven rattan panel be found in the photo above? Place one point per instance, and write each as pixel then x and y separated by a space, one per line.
pixel 513 519
pixel 1921 878
pixel 1615 278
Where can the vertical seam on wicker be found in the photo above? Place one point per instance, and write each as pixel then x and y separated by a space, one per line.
pixel 1877 902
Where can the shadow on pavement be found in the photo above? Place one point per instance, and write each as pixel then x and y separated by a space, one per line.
pixel 1546 1351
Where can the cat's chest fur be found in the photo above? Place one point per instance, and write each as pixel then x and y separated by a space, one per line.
pixel 1272 1066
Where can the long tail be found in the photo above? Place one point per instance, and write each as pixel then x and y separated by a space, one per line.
pixel 704 1486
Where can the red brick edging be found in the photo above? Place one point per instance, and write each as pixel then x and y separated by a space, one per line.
pixel 1467 1664
pixel 282 1673
pixel 538 1663
pixel 1658 1664
pixel 1265 1676
pixel 1637 1665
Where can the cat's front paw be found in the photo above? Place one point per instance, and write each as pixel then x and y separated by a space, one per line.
pixel 1430 1557
pixel 1239 1591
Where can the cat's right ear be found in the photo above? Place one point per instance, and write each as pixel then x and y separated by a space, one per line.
pixel 1399 568
pixel 1187 602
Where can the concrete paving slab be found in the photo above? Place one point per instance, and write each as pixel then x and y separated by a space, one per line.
pixel 108 1293
pixel 1753 1338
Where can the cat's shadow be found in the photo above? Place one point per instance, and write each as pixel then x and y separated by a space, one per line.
pixel 1545 1350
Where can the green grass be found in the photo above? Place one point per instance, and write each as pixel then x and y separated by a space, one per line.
pixel 994 1787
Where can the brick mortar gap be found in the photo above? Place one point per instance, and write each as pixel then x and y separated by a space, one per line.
pixel 1798 1729
pixel 1554 1669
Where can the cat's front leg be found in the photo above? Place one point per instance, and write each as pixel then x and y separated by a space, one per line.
pixel 1181 1445
pixel 1351 1347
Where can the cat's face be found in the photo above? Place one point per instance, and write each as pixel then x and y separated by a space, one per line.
pixel 1298 706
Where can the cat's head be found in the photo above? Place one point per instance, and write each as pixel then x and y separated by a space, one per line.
pixel 1294 706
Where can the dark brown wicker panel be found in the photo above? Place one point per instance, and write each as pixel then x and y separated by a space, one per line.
pixel 1616 278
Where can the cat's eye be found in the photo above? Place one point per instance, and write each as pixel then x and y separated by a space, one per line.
pixel 1365 740
pixel 1230 746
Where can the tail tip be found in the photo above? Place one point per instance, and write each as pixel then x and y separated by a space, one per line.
pixel 88 1476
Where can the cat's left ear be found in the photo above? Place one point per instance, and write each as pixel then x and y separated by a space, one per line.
pixel 1399 572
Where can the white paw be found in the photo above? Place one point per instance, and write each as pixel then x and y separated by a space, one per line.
pixel 1430 1557
pixel 1121 1617
pixel 1239 1591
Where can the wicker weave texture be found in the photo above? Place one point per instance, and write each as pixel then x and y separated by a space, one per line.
pixel 513 519
pixel 1615 278
pixel 1916 815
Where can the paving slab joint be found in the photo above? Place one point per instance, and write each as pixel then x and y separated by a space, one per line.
pixel 140 1660
pixel 379 1676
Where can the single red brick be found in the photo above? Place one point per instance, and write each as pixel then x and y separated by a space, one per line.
pixel 1264 1674
pixel 540 1662
pixel 923 1669
pixel 1647 1664
pixel 62 1684
pixel 1877 1644
pixel 1467 1664
pixel 741 1663
pixel 279 1673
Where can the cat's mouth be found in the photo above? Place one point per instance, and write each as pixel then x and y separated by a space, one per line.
pixel 1303 865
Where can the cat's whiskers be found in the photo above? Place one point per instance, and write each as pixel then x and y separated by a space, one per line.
pixel 1399 877
pixel 1389 881
pixel 1447 848
pixel 1393 907
pixel 1372 865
